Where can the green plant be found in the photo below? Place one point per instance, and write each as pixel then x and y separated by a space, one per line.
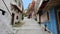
pixel 18 24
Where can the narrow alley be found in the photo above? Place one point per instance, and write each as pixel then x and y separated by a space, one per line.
pixel 31 27
pixel 29 16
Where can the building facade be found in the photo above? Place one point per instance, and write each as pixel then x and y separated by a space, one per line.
pixel 37 5
pixel 10 14
pixel 50 16
pixel 17 11
pixel 31 11
pixel 12 11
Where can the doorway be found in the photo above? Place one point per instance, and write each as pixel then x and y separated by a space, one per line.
pixel 12 22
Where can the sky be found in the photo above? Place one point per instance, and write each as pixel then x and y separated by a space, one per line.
pixel 26 3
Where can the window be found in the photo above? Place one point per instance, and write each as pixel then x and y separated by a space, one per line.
pixel 19 4
pixel 17 17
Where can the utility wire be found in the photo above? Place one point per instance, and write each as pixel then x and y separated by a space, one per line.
pixel 6 6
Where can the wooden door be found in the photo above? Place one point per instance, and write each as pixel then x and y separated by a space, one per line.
pixel 12 22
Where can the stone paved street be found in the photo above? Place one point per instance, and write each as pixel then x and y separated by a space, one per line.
pixel 30 27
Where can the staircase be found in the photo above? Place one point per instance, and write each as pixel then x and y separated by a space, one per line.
pixel 30 27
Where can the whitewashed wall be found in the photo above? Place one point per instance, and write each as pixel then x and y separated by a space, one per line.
pixel 19 16
pixel 7 17
pixel 5 20
pixel 8 3
pixel 37 17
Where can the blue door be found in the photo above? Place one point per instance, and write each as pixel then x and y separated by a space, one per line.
pixel 51 25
